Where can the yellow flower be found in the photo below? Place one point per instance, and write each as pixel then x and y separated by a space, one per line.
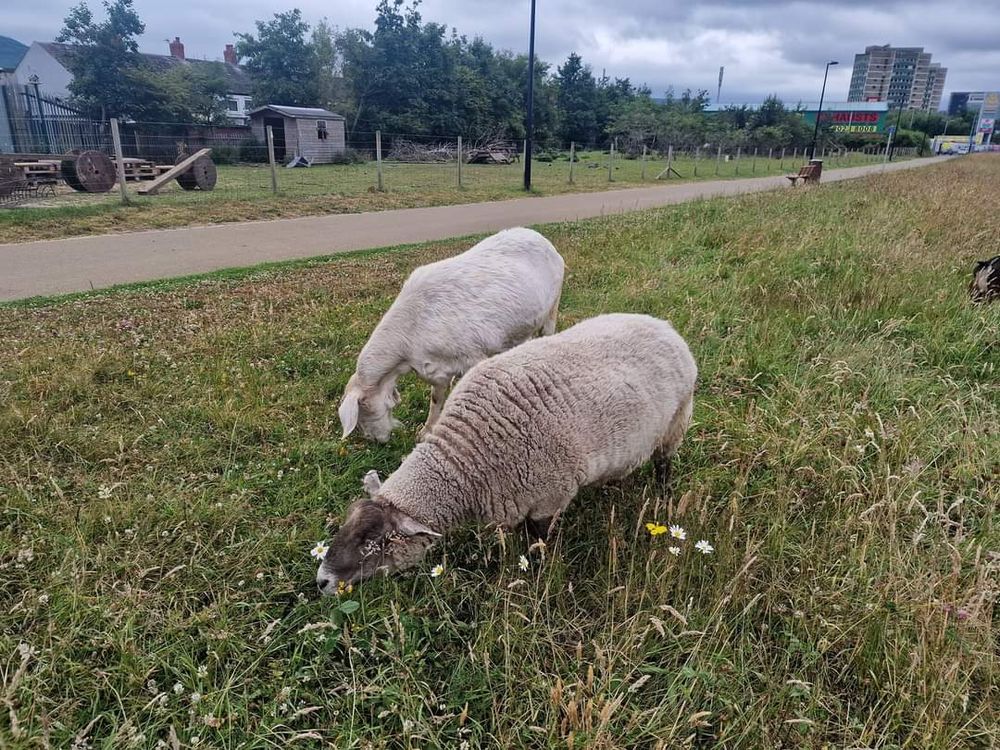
pixel 437 570
pixel 344 588
pixel 655 529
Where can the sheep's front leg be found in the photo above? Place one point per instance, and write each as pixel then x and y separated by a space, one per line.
pixel 539 528
pixel 439 392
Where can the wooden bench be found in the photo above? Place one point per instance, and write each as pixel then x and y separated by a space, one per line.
pixel 807 173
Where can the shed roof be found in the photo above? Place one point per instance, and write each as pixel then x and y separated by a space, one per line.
pixel 305 113
pixel 11 52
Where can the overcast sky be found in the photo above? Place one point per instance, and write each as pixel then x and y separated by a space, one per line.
pixel 766 45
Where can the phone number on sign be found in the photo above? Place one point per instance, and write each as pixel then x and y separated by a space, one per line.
pixel 855 128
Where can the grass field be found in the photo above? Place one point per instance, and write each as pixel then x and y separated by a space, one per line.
pixel 243 193
pixel 170 454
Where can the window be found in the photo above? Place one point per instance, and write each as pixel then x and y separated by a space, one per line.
pixel 321 131
pixel 232 105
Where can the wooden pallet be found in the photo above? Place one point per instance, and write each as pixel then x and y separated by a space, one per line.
pixel 41 172
pixel 138 170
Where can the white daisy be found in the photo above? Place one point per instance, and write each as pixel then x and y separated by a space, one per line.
pixel 319 551
pixel 674 551
pixel 522 563
pixel 704 547
pixel 678 533
pixel 437 570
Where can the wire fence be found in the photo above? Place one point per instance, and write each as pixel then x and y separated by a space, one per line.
pixel 66 162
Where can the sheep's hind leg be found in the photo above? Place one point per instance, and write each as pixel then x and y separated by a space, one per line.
pixel 549 327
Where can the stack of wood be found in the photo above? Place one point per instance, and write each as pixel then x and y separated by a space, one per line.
pixel 408 151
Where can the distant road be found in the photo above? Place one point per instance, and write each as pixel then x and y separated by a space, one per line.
pixel 79 264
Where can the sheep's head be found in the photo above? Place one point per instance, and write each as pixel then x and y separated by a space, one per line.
pixel 375 538
pixel 370 408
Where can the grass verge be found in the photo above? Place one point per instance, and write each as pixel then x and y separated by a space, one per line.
pixel 168 456
pixel 243 193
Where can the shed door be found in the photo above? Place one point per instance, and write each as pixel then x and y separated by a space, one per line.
pixel 278 129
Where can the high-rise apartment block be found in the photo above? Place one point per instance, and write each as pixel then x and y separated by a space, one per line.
pixel 904 77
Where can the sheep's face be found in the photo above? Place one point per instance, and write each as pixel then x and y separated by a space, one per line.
pixel 370 409
pixel 375 538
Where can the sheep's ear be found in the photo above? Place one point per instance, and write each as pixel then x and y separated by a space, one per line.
pixel 371 483
pixel 348 412
pixel 408 526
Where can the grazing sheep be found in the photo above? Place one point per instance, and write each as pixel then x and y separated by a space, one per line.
pixel 520 435
pixel 450 315
pixel 985 284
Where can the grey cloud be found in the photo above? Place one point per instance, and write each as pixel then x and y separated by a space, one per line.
pixel 767 46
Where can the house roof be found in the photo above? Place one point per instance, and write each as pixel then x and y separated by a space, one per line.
pixel 238 81
pixel 11 52
pixel 307 113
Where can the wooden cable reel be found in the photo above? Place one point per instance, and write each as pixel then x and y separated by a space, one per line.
pixel 89 171
pixel 201 175
pixel 10 176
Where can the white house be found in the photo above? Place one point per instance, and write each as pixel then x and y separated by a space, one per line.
pixel 48 64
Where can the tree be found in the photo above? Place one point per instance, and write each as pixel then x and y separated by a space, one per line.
pixel 331 91
pixel 577 100
pixel 200 91
pixel 281 61
pixel 105 60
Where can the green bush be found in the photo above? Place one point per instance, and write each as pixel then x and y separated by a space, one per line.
pixel 225 154
pixel 348 156
pixel 253 151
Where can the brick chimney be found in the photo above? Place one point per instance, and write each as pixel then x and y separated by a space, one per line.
pixel 177 48
pixel 229 54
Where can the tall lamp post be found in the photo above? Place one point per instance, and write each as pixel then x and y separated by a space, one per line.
pixel 822 93
pixel 531 101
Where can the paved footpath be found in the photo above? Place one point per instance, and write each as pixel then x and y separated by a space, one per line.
pixel 79 264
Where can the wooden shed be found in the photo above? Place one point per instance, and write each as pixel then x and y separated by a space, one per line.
pixel 316 134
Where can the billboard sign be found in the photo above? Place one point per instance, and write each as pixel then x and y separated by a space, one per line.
pixel 988 115
pixel 849 121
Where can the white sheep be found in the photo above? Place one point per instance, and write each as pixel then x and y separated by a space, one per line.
pixel 448 316
pixel 520 435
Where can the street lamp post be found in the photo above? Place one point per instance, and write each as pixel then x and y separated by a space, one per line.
pixel 530 124
pixel 822 93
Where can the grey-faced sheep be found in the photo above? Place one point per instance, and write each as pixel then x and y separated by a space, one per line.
pixel 519 436
pixel 985 284
pixel 448 316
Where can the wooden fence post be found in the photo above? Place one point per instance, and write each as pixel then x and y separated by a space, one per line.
pixel 460 161
pixel 378 159
pixel 611 162
pixel 119 159
pixel 739 151
pixel 270 159
pixel 642 176
pixel 670 160
pixel 718 160
pixel 697 158
pixel 753 162
pixel 572 159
